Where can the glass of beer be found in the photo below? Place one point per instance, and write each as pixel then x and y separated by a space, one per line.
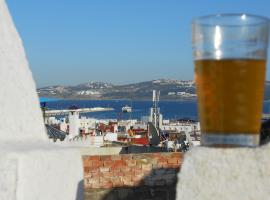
pixel 230 52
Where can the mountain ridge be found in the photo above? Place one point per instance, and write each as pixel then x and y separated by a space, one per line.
pixel 170 89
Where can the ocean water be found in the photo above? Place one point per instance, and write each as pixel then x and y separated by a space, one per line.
pixel 169 109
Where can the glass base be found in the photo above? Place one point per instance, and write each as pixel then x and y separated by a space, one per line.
pixel 230 140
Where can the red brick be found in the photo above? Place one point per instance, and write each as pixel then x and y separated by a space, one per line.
pixel 158 156
pixel 131 163
pixel 85 182
pixel 128 183
pixel 86 170
pixel 142 161
pixel 105 158
pixel 118 184
pixel 116 181
pixel 154 162
pixel 86 176
pixel 172 166
pixel 95 174
pixel 119 163
pixel 107 174
pixel 116 157
pixel 85 159
pixel 108 163
pixel 125 169
pixel 87 163
pixel 147 167
pixel 137 178
pixel 126 178
pixel 137 171
pixel 90 163
pixel 92 181
pixel 118 173
pixel 137 167
pixel 162 159
pixel 97 164
pixel 107 184
pixel 104 169
pixel 95 185
pixel 115 168
pixel 126 157
pixel 130 173
pixel 93 169
pixel 103 179
pixel 94 157
pixel 176 154
pixel 173 161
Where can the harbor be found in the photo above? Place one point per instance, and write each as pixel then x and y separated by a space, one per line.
pixel 71 126
pixel 126 123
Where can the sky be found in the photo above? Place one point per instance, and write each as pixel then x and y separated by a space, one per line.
pixel 118 41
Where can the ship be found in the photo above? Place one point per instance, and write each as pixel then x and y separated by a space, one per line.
pixel 126 109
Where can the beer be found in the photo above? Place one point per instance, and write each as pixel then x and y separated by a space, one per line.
pixel 230 95
pixel 230 52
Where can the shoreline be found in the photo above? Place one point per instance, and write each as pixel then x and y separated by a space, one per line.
pixel 116 99
pixel 120 99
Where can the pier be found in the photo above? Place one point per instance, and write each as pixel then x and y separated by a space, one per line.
pixel 49 113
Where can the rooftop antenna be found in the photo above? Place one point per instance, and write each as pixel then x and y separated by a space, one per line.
pixel 155 111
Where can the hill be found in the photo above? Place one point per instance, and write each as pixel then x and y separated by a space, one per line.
pixel 169 90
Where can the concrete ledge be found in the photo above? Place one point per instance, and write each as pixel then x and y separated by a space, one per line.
pixel 100 150
pixel 215 173
pixel 40 171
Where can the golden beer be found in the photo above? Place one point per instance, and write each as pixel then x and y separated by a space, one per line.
pixel 230 95
pixel 230 53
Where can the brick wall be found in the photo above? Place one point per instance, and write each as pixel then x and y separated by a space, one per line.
pixel 131 170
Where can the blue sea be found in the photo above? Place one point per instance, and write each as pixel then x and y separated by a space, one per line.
pixel 169 109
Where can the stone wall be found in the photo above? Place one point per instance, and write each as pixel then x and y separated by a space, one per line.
pixel 129 176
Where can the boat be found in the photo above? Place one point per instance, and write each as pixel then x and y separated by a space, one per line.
pixel 126 109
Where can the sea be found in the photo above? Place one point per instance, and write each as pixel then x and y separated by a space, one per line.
pixel 140 109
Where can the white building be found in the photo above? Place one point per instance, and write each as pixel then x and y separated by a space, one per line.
pixel 88 125
pixel 74 124
pixel 63 126
pixel 52 120
pixel 187 127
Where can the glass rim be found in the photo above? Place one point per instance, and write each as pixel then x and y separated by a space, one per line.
pixel 203 20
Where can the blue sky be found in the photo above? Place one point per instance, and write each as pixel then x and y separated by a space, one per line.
pixel 119 41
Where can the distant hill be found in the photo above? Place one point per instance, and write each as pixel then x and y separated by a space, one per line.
pixel 169 90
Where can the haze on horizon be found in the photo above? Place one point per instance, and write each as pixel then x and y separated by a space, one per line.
pixel 119 42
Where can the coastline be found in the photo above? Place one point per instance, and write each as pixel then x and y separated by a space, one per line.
pixel 116 99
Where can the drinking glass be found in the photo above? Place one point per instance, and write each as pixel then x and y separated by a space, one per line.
pixel 230 52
